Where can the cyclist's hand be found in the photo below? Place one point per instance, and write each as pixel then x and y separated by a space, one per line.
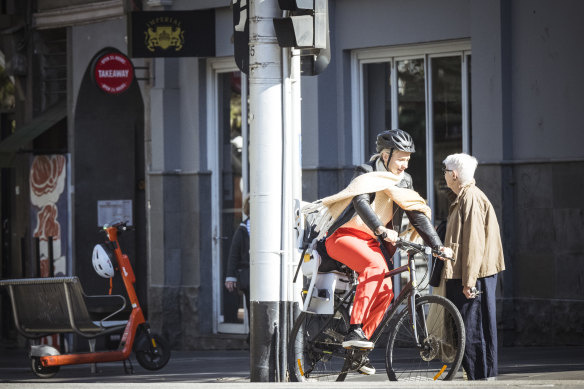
pixel 447 251
pixel 391 236
pixel 230 285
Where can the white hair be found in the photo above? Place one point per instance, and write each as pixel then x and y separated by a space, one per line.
pixel 464 165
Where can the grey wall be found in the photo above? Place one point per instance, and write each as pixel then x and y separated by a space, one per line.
pixel 370 23
pixel 487 85
pixel 548 215
pixel 223 32
pixel 547 78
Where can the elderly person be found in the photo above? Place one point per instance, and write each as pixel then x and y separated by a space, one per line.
pixel 473 233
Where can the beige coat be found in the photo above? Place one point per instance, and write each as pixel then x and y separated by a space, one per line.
pixel 323 213
pixel 473 234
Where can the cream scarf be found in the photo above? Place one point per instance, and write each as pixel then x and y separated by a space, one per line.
pixel 323 213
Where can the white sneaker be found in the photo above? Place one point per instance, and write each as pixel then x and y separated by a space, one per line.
pixel 357 338
pixel 367 368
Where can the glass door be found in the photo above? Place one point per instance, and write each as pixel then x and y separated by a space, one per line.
pixel 401 106
pixel 230 175
pixel 424 90
pixel 446 122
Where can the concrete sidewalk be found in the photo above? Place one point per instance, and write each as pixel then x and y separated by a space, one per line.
pixel 518 367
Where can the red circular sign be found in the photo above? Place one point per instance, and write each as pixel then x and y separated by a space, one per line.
pixel 114 73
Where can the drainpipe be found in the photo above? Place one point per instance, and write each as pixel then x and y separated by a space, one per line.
pixel 291 190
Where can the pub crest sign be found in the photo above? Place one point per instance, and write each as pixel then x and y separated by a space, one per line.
pixel 171 34
pixel 165 33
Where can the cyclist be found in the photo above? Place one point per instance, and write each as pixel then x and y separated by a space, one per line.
pixel 371 207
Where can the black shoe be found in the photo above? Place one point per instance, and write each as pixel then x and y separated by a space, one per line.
pixel 356 338
pixel 366 368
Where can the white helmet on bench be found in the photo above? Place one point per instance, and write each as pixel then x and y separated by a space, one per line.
pixel 102 262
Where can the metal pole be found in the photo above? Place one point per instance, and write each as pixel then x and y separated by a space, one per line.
pixel 292 189
pixel 286 211
pixel 293 174
pixel 265 187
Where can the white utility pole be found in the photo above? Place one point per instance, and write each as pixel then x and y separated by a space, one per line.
pixel 265 152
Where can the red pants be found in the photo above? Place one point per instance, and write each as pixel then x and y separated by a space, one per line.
pixel 360 252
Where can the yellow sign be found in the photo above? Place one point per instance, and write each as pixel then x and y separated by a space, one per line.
pixel 164 33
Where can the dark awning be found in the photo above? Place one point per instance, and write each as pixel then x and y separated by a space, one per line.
pixel 26 133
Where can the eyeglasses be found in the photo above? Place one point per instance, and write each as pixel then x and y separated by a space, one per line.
pixel 444 170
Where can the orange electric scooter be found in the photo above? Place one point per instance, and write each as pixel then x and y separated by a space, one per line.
pixel 152 351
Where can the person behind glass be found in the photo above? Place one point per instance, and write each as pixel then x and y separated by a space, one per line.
pixel 237 275
pixel 472 231
pixel 379 190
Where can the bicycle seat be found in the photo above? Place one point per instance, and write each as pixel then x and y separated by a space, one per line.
pixel 327 263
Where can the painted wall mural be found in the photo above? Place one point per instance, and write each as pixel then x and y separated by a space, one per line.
pixel 48 177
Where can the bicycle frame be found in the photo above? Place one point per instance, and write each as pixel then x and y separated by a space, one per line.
pixel 409 290
pixel 136 317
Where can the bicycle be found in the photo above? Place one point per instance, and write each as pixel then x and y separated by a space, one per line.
pixel 432 349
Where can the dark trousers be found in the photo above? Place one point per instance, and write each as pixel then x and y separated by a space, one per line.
pixel 247 304
pixel 480 323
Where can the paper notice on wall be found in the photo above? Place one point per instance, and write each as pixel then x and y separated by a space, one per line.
pixel 111 211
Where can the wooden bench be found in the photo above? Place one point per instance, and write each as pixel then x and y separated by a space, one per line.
pixel 44 306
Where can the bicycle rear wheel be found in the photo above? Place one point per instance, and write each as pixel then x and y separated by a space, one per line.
pixel 316 353
pixel 441 342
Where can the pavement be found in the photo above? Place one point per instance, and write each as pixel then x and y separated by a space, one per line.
pixel 519 367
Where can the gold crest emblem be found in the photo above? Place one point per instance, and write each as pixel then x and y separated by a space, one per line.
pixel 164 32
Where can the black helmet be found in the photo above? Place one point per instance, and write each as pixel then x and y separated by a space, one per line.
pixel 395 139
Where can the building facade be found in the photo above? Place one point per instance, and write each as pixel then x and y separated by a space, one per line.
pixel 497 79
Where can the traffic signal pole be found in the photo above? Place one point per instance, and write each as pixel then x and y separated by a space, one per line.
pixel 266 167
pixel 278 49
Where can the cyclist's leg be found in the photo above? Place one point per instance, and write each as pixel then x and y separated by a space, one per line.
pixel 360 252
pixel 380 300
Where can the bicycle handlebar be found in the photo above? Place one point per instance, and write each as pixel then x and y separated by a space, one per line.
pixel 404 244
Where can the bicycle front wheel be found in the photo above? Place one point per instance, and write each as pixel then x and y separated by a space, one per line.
pixel 315 351
pixel 437 352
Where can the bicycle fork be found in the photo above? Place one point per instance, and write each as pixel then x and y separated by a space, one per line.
pixel 413 296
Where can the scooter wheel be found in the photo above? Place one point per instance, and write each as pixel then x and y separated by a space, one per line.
pixel 150 356
pixel 42 371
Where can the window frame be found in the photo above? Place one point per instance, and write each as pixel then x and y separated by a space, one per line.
pixel 392 55
pixel 216 67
